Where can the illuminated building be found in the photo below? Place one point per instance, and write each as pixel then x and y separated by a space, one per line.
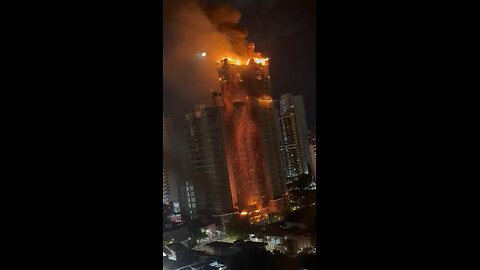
pixel 253 156
pixel 206 189
pixel 166 188
pixel 170 164
pixel 294 136
pixel 313 153
pixel 166 185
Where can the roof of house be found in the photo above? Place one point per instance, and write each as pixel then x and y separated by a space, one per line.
pixel 218 244
pixel 175 247
pixel 198 264
pixel 277 230
pixel 171 265
pixel 166 250
pixel 251 244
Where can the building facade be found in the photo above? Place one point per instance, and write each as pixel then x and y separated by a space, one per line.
pixel 166 189
pixel 294 136
pixel 313 154
pixel 253 158
pixel 206 188
pixel 171 164
pixel 166 185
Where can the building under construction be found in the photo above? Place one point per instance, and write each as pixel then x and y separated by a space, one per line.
pixel 205 189
pixel 251 135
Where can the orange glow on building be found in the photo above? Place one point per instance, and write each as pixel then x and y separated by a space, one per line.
pixel 244 160
pixel 250 135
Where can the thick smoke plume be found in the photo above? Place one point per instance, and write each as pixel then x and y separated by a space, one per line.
pixel 189 30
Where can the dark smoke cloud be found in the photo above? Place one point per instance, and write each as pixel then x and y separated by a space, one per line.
pixel 226 19
pixel 189 29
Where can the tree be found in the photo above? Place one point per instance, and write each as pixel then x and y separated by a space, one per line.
pixel 304 180
pixel 274 217
pixel 238 227
pixel 167 209
pixel 197 234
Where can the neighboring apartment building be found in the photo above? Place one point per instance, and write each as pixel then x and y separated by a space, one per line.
pixel 206 189
pixel 313 154
pixel 294 136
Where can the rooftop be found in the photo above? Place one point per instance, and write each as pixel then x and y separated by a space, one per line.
pixel 175 247
pixel 218 244
pixel 171 265
pixel 250 244
pixel 277 230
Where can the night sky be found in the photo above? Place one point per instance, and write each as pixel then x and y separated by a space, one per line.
pixel 284 31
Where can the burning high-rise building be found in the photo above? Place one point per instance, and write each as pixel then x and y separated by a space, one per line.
pixel 253 155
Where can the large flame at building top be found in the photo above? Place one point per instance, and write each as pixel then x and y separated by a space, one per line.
pixel 251 57
pixel 238 62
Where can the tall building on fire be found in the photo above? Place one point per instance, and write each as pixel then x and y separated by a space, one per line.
pixel 251 135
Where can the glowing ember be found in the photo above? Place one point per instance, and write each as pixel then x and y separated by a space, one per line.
pixel 244 213
pixel 265 99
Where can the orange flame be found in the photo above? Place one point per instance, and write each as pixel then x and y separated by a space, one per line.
pixel 239 62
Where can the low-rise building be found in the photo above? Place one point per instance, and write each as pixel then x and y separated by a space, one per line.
pixel 241 245
pixel 283 237
pixel 192 265
pixel 175 233
pixel 221 249
pixel 178 252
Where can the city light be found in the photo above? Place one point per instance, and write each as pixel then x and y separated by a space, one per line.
pixel 203 54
